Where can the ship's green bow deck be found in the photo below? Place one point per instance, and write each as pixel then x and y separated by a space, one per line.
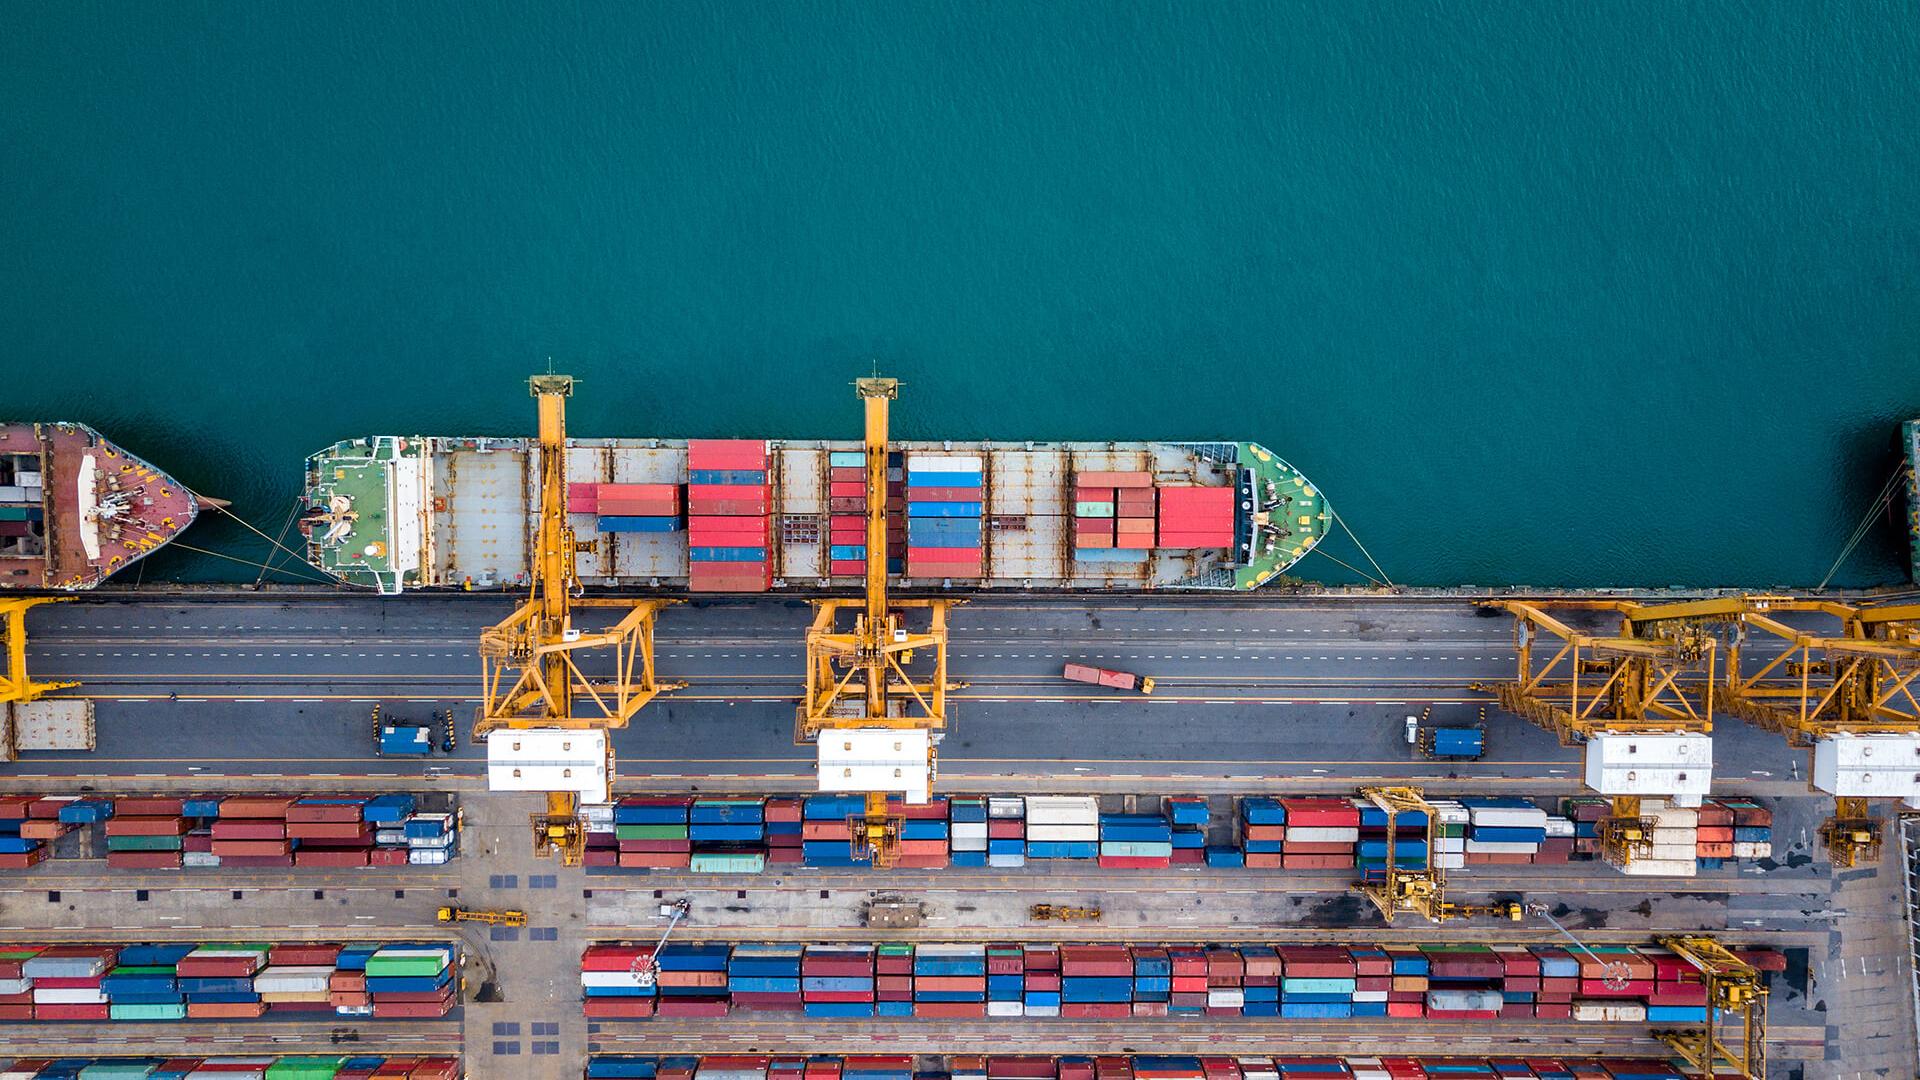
pixel 1305 516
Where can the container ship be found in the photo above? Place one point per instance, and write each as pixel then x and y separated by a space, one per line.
pixel 745 515
pixel 75 508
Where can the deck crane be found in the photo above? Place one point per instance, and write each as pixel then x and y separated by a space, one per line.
pixel 545 720
pixel 875 726
pixel 1731 1041
pixel 1420 892
pixel 15 683
pixel 1622 696
pixel 1845 691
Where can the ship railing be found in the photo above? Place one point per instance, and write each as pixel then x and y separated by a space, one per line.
pixel 1910 867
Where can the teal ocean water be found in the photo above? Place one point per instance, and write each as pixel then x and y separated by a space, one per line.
pixel 1549 293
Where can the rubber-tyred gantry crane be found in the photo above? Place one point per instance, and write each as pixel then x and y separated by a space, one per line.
pixel 544 719
pixel 874 722
pixel 1732 1039
pixel 1421 892
pixel 1625 696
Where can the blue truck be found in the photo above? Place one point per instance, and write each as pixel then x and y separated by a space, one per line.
pixel 1459 743
pixel 404 739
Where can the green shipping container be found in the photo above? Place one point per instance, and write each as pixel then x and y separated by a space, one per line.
pixel 1316 986
pixel 650 832
pixel 13 513
pixel 176 1011
pixel 404 964
pixel 1093 509
pixel 145 843
pixel 118 1070
pixel 305 1068
pixel 729 862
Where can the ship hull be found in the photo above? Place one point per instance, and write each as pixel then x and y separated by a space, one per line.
pixel 398 514
pixel 75 509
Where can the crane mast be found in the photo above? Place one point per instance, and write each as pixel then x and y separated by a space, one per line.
pixel 874 723
pixel 15 683
pixel 544 719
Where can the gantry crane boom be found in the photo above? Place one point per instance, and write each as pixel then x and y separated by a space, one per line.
pixel 1625 697
pixel 874 722
pixel 544 719
pixel 15 683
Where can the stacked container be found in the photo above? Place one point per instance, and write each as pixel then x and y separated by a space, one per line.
pixel 1321 833
pixel 944 504
pixel 728 836
pixel 1006 832
pixel 847 506
pixel 1189 815
pixel 1752 828
pixel 729 502
pixel 1406 845
pixel 612 985
pixel 1114 1067
pixel 765 977
pixel 923 833
pixel 692 980
pixel 893 980
pixel 837 981
pixel 826 838
pixel 1263 832
pixel 1006 981
pixel 970 832
pixel 1063 827
pixel 627 508
pixel 950 981
pixel 1135 841
pixel 223 982
pixel 785 832
pixel 1040 980
pixel 1195 517
pixel 1113 515
pixel 653 831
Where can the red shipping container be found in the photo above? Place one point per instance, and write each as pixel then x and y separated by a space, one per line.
pixel 46 808
pixel 582 498
pixel 845 489
pixel 70 1012
pixel 334 813
pixel 1095 1010
pixel 331 858
pixel 692 1007
pixel 732 455
pixel 1406 1009
pixel 732 501
pixel 350 831
pixel 407 1010
pixel 654 860
pixel 1133 862
pixel 1133 543
pixel 1262 860
pixel 943 495
pixel 254 829
pixel 244 848
pixel 146 826
pixel 1108 479
pixel 920 569
pixel 254 806
pixel 844 473
pixel 45 829
pixel 22 860
pixel 654 845
pixel 1184 540
pixel 639 507
pixel 951 1010
pixel 847 567
pixel 598 857
pixel 160 806
pixel 1197 509
pixel 943 555
pixel 143 860
pixel 1316 862
pixel 1006 829
pixel 669 493
pixel 387 857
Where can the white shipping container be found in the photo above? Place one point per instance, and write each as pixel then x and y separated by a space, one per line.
pixel 1449 860
pixel 1501 847
pixel 1043 1010
pixel 1673 836
pixel 15 986
pixel 1062 833
pixel 392 836
pixel 968 830
pixel 275 980
pixel 440 841
pixel 76 995
pixel 428 856
pixel 949 950
pixel 1762 849
pixel 1559 826
pixel 12 493
pixel 1006 806
pixel 199 860
pixel 1449 843
pixel 1676 817
pixel 943 463
pixel 1662 867
pixel 1369 995
pixel 1006 862
pixel 1504 817
pixel 1610 1012
pixel 1063 809
pixel 1675 851
pixel 1006 1008
pixel 1226 999
pixel 967 843
pixel 1449 812
pixel 1322 835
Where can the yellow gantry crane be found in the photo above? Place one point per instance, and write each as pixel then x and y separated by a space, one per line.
pixel 15 683
pixel 1421 892
pixel 875 724
pixel 544 719
pixel 1623 696
pixel 1844 688
pixel 1732 1040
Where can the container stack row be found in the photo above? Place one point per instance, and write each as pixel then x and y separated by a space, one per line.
pixel 627 508
pixel 1116 1067
pixel 729 507
pixel 186 981
pixel 1325 982
pixel 1113 515
pixel 174 832
pixel 301 1067
pixel 945 496
pixel 847 510
pixel 1306 833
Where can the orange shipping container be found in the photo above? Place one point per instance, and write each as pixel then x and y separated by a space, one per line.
pixel 225 1010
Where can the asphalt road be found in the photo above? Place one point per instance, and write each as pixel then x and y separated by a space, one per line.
pixel 1247 689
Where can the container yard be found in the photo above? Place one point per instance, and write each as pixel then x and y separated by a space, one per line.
pixel 939 802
